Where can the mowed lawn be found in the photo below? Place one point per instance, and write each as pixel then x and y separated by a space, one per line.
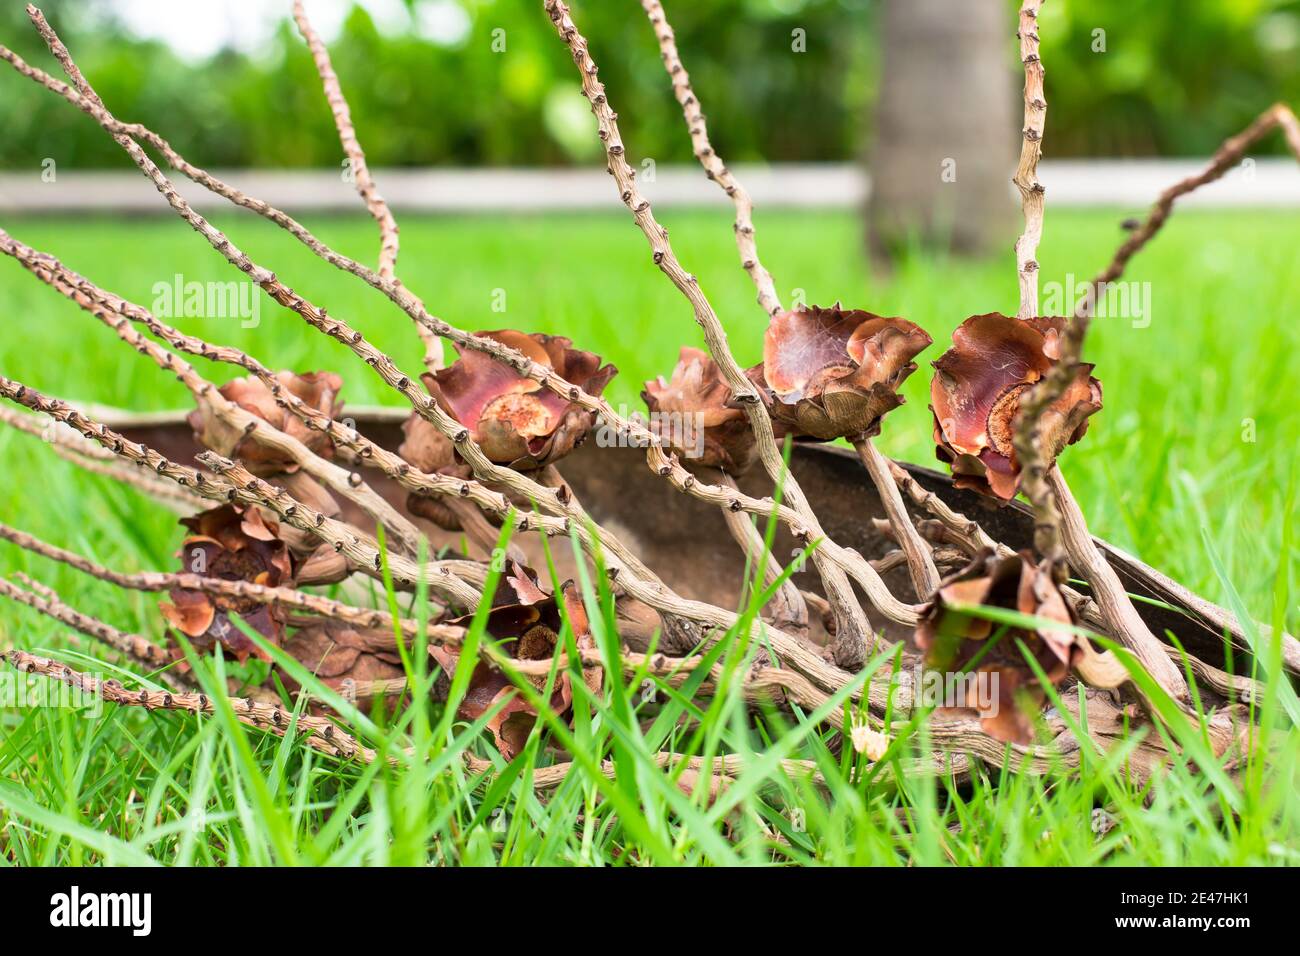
pixel 1199 431
pixel 1193 455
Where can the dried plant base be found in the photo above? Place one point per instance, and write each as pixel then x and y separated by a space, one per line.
pixel 690 542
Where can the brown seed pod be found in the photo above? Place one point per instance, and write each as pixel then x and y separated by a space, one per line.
pixel 976 392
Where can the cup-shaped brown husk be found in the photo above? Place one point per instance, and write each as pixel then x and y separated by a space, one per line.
pixel 319 390
pixel 834 373
pixel 234 544
pixel 692 412
pixel 958 642
pixel 512 418
pixel 976 393
pixel 526 623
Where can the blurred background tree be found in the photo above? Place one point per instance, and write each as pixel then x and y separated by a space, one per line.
pixel 784 80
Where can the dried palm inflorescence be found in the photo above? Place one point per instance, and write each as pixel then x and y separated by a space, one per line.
pixel 280 511
pixel 834 373
pixel 976 393
pixel 958 636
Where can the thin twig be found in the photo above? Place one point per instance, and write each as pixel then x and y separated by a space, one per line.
pixel 345 539
pixel 664 464
pixel 135 646
pixel 318 732
pixel 924 579
pixel 713 165
pixel 920 563
pixel 787 608
pixel 365 183
pixel 344 483
pixel 289 598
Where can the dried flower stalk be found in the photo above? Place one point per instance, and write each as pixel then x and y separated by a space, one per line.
pixel 282 597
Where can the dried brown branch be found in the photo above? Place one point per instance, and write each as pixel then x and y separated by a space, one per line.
pixel 852 627
pixel 317 732
pixel 345 539
pixel 339 480
pixel 351 145
pixel 920 562
pixel 288 598
pixel 135 646
pixel 713 165
pixel 664 464
pixel 1026 178
pixel 1226 157
pixel 787 608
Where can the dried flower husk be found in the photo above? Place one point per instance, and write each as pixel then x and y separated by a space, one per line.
pixel 693 411
pixel 320 390
pixel 512 418
pixel 832 373
pixel 232 543
pixel 957 641
pixel 976 392
pixel 526 622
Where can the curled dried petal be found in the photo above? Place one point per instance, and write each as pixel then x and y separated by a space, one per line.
pixel 235 544
pixel 958 640
pixel 977 389
pixel 834 373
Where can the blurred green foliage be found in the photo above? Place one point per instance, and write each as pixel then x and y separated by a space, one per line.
pixel 1175 77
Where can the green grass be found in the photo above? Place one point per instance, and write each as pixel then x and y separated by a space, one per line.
pixel 1193 458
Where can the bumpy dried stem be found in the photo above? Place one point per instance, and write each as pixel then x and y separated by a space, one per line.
pixel 852 627
pixel 920 562
pixel 317 732
pixel 346 484
pixel 287 598
pixel 1226 157
pixel 365 183
pixel 135 646
pixel 1026 178
pixel 713 165
pixel 787 608
pixel 94 460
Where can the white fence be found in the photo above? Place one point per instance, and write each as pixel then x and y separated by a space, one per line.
pixel 1126 184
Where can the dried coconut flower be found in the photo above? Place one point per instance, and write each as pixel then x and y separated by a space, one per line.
pixel 320 390
pixel 976 393
pixel 957 639
pixel 511 417
pixel 234 544
pixel 692 411
pixel 834 373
